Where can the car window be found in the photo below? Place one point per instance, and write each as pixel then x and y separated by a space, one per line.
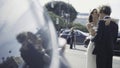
pixel 118 34
pixel 77 33
pixel 66 32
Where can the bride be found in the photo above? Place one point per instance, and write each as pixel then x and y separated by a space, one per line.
pixel 92 27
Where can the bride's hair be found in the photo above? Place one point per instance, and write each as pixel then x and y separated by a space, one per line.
pixel 90 18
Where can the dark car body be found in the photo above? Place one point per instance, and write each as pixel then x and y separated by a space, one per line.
pixel 79 36
pixel 117 46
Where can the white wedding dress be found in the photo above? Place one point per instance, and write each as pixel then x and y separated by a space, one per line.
pixel 91 59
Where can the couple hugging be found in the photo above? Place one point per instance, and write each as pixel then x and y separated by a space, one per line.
pixel 103 35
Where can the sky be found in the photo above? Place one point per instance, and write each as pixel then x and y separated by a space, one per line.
pixel 85 6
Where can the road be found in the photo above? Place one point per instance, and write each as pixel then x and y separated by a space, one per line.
pixel 77 57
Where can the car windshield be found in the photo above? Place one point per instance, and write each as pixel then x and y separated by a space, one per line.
pixel 86 34
pixel 66 32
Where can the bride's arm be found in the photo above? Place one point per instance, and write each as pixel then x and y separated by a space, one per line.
pixel 92 32
pixel 90 29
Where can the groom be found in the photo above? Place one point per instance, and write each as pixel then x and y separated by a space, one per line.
pixel 105 39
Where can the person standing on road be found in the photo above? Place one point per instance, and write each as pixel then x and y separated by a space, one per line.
pixel 105 39
pixel 72 42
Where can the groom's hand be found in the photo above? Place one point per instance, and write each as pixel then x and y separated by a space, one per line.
pixel 107 21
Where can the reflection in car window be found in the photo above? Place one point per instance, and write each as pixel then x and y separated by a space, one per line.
pixel 28 17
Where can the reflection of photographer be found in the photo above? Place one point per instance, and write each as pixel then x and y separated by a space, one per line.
pixel 32 51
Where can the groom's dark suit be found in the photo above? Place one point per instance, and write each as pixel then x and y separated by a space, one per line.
pixel 105 40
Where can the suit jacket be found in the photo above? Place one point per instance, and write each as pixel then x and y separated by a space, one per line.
pixel 32 57
pixel 105 39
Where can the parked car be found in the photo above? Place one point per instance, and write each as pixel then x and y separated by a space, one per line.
pixel 79 36
pixel 117 47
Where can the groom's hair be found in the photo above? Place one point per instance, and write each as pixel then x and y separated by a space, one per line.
pixel 106 10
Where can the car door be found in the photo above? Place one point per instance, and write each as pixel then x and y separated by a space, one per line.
pixel 79 37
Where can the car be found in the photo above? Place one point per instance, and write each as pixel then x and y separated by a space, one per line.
pixel 79 36
pixel 117 46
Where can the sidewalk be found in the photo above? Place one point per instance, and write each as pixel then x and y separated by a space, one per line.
pixel 77 57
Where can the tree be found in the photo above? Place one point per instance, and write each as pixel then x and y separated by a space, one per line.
pixel 61 23
pixel 62 9
pixel 80 27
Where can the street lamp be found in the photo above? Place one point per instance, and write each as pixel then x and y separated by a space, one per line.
pixel 52 4
pixel 57 21
pixel 67 15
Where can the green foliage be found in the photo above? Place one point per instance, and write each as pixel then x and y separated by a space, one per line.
pixel 61 9
pixel 80 27
pixel 61 23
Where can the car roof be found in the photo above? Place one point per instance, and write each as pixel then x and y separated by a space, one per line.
pixel 76 30
pixel 84 33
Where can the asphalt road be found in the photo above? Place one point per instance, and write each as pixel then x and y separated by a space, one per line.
pixel 77 57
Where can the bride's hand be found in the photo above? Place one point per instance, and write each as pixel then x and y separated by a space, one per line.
pixel 89 25
pixel 92 32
